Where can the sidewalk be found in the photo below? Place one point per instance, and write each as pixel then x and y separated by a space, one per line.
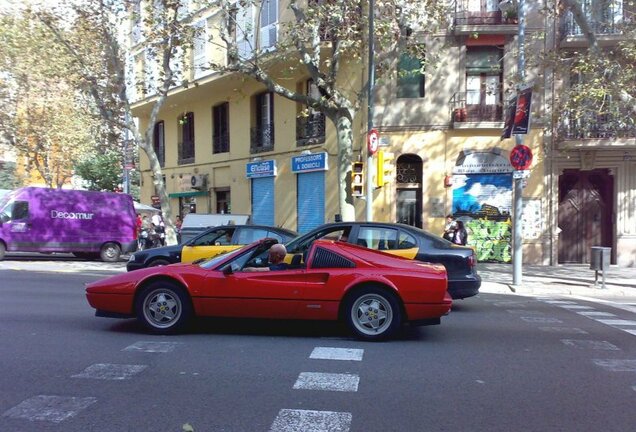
pixel 575 279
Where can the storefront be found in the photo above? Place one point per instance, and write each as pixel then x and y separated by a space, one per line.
pixel 262 175
pixel 310 189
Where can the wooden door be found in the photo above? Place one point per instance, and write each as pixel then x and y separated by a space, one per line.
pixel 585 213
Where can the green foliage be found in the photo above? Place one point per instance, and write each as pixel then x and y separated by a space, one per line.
pixel 103 172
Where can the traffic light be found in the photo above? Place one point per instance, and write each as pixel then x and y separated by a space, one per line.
pixel 357 179
pixel 384 168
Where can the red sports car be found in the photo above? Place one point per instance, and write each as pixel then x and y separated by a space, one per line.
pixel 374 293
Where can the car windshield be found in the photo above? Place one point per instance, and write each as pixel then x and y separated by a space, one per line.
pixel 213 262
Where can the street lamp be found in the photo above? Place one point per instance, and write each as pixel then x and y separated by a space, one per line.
pixel 507 6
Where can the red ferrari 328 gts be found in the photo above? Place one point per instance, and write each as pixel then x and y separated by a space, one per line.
pixel 374 293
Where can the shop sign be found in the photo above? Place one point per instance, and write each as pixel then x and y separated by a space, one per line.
pixel 310 162
pixel 261 169
pixel 482 163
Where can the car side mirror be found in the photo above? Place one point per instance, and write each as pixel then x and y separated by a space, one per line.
pixel 227 270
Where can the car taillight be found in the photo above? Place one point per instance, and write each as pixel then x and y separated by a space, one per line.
pixel 472 261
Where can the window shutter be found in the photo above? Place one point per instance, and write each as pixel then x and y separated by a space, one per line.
pixel 245 31
pixel 198 48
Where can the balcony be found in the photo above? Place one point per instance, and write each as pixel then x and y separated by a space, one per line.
pixel 262 138
pixel 467 19
pixel 593 126
pixel 310 130
pixel 221 143
pixel 477 109
pixel 606 21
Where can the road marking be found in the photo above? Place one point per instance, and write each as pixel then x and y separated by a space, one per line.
pixel 50 408
pixel 590 344
pixel 576 307
pixel 596 314
pixel 630 331
pixel 524 312
pixel 559 302
pixel 570 330
pixel 110 371
pixel 327 382
pixel 543 320
pixel 153 347
pixel 326 353
pixel 614 365
pixel 311 421
pixel 616 322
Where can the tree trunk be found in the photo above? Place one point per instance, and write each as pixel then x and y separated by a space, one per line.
pixel 345 156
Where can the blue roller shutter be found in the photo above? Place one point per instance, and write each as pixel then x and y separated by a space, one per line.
pixel 311 200
pixel 263 201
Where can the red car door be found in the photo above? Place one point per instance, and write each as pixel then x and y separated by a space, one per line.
pixel 270 294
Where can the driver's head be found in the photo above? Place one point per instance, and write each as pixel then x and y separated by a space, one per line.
pixel 277 253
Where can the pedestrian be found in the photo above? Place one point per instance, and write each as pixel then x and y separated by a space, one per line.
pixel 177 227
pixel 449 229
pixel 138 222
pixel 460 235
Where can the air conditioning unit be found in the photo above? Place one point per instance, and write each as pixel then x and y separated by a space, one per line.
pixel 198 181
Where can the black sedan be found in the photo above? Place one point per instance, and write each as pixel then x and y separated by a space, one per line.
pixel 405 241
pixel 208 244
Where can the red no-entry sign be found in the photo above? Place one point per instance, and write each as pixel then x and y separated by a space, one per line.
pixel 521 157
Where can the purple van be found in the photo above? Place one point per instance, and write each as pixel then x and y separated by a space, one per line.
pixel 85 223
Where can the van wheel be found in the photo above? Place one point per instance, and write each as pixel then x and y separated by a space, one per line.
pixel 110 252
pixel 3 249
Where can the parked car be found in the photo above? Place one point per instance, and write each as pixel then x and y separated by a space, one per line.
pixel 406 241
pixel 372 292
pixel 195 223
pixel 211 242
pixel 88 224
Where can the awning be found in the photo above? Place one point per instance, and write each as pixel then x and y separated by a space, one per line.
pixel 187 194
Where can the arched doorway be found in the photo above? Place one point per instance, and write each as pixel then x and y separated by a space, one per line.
pixel 409 190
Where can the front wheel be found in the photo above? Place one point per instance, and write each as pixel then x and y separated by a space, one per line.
pixel 110 252
pixel 373 314
pixel 163 307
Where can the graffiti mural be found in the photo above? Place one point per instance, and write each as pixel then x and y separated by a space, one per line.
pixel 484 203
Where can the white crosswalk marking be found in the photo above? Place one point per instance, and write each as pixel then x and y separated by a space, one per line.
pixel 110 371
pixel 50 408
pixel 327 381
pixel 153 347
pixel 617 322
pixel 289 420
pixel 576 307
pixel 615 365
pixel 542 320
pixel 326 353
pixel 590 344
pixel 565 330
pixel 596 314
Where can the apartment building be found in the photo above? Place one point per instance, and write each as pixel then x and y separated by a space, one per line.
pixel 228 146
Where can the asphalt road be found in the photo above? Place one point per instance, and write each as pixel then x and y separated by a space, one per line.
pixel 497 363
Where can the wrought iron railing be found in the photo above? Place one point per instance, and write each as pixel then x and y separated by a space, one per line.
pixel 310 130
pixel 599 126
pixel 603 18
pixel 477 106
pixel 262 138
pixel 489 14
pixel 221 143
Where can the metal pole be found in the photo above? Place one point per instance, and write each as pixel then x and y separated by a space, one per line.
pixel 517 254
pixel 126 179
pixel 370 102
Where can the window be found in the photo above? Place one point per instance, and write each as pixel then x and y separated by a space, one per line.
pixel 324 258
pixel 245 30
pixel 222 237
pixel 410 79
pixel 262 136
pixel 158 142
pixel 223 202
pixel 221 128
pixel 310 129
pixel 250 235
pixel 269 24
pixel 20 210
pixel 186 138
pixel 136 22
pixel 378 238
pixel 199 61
pixel 484 74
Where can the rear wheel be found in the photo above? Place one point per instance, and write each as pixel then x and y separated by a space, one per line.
pixel 110 252
pixel 163 307
pixel 373 314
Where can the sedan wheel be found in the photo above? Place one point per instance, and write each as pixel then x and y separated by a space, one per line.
pixel 163 307
pixel 373 314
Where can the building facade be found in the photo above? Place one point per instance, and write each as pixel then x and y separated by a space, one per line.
pixel 228 146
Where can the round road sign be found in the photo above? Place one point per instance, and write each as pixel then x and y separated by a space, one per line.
pixel 521 157
pixel 373 141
